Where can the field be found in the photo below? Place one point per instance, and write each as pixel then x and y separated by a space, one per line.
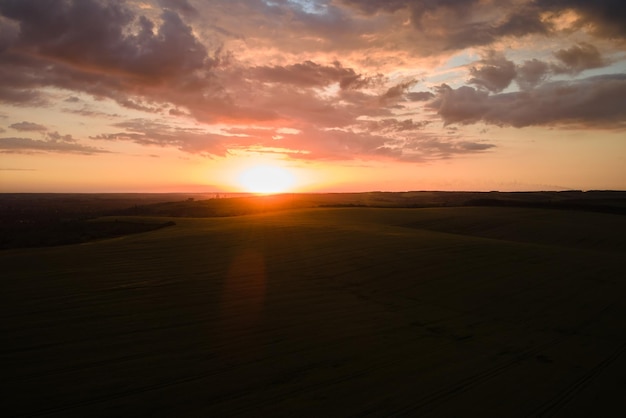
pixel 335 312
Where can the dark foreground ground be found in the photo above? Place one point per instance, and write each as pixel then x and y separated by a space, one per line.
pixel 466 311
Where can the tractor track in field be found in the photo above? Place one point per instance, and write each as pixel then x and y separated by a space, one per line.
pixel 552 406
pixel 470 382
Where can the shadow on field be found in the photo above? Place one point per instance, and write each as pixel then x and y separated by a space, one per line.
pixel 72 232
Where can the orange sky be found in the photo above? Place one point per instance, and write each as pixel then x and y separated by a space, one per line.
pixel 342 95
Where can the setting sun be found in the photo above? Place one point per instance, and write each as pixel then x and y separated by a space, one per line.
pixel 266 179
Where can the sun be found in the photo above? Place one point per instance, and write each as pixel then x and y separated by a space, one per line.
pixel 266 179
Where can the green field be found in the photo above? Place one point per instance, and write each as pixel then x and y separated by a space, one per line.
pixel 464 311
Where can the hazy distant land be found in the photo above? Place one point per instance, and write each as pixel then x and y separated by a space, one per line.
pixel 29 220
pixel 365 304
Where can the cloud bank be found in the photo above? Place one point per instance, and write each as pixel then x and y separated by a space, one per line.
pixel 346 76
pixel 53 142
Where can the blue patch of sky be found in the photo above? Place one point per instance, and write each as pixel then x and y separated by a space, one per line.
pixel 311 6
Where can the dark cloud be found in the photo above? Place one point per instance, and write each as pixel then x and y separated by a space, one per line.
pixel 180 6
pixel 22 76
pixel 520 21
pixel 594 102
pixel 531 73
pixel 495 74
pixel 96 34
pixel 429 148
pixel 419 96
pixel 473 22
pixel 457 24
pixel 578 58
pixel 398 90
pixel 53 142
pixel 9 32
pixel 375 6
pixel 358 81
pixel 442 148
pixel 468 146
pixel 20 97
pixel 310 74
pixel 104 49
pixel 396 125
pixel 28 126
pixel 177 112
pixel 463 105
pixel 606 17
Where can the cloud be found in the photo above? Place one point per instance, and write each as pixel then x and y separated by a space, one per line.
pixel 457 24
pixel 390 139
pixel 91 33
pixel 28 127
pixel 310 74
pixel 495 74
pixel 594 102
pixel 155 133
pixel 375 6
pixel 9 32
pixel 338 72
pixel 106 49
pixel 473 22
pixel 442 148
pixel 53 142
pixel 400 140
pixel 345 144
pixel 605 17
pixel 398 90
pixel 395 125
pixel 419 96
pixel 578 58
pixel 21 97
pixel 180 6
pixel 531 73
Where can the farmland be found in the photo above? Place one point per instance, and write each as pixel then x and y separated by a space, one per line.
pixel 324 311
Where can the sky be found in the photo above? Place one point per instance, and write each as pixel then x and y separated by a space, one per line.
pixel 324 95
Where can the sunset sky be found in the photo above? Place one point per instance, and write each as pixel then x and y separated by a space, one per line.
pixel 343 95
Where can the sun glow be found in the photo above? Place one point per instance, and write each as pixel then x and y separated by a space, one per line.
pixel 266 179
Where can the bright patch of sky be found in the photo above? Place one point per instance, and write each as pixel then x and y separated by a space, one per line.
pixel 311 6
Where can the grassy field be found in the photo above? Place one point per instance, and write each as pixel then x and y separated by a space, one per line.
pixel 464 311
